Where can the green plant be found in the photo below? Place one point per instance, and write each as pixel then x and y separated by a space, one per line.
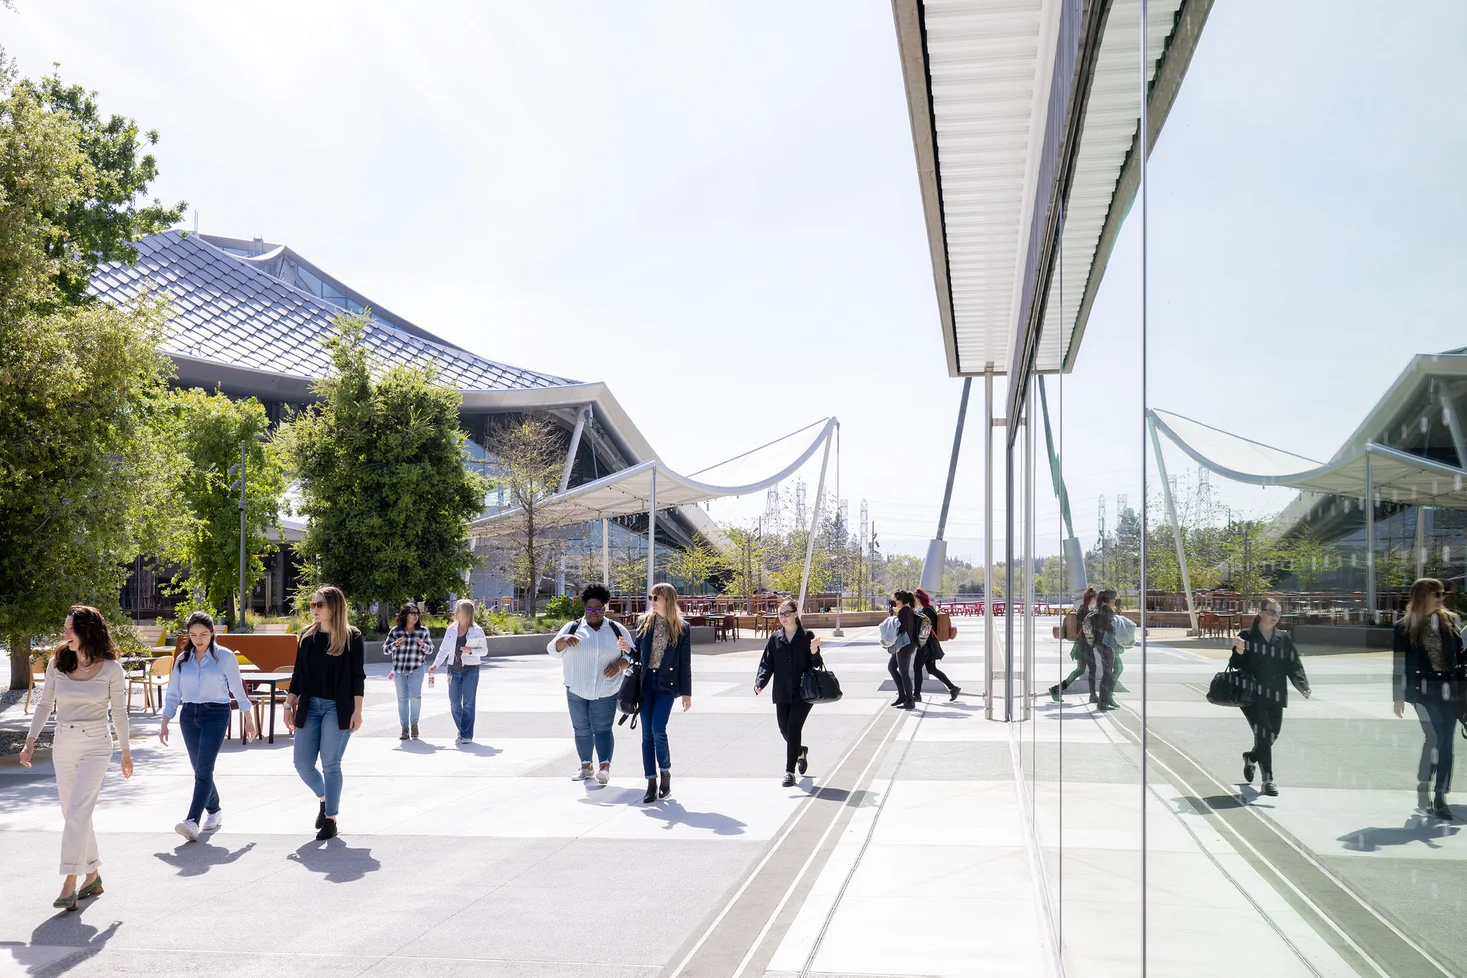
pixel 565 606
pixel 186 607
pixel 365 621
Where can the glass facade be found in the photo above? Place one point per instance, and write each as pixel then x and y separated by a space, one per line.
pixel 1283 277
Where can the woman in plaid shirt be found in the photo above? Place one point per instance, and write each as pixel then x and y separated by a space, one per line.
pixel 409 644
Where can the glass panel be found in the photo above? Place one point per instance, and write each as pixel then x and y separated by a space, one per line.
pixel 1304 257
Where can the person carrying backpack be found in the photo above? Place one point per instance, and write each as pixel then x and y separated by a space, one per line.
pixel 1080 649
pixel 927 656
pixel 904 648
pixel 592 665
pixel 1099 631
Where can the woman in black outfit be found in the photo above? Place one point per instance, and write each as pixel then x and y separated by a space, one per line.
pixel 324 706
pixel 788 655
pixel 927 655
pixel 1267 655
pixel 1429 662
pixel 900 665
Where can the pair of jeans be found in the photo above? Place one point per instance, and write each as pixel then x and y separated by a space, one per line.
pixel 900 669
pixel 1439 726
pixel 81 754
pixel 591 720
pixel 656 708
pixel 321 735
pixel 928 660
pixel 463 696
pixel 792 717
pixel 409 696
pixel 1106 658
pixel 204 727
pixel 1266 719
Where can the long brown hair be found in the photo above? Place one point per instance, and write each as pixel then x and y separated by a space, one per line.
pixel 92 634
pixel 1266 603
pixel 402 615
pixel 1415 617
pixel 674 614
pixel 339 625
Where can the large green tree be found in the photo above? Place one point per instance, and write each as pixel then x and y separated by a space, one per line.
pixel 383 486
pixel 529 457
pixel 210 429
pixel 85 477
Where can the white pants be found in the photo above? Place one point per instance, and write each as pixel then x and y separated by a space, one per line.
pixel 80 754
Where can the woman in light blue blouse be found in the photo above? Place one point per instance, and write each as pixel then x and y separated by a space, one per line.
pixel 204 675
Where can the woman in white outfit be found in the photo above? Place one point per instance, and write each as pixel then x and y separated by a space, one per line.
pixel 83 679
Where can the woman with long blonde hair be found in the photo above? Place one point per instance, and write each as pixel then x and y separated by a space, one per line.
pixel 1429 665
pixel 324 705
pixel 664 651
pixel 462 638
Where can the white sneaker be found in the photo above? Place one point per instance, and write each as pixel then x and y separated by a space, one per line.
pixel 213 821
pixel 582 774
pixel 603 775
pixel 189 829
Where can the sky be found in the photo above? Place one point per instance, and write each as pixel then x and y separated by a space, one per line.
pixel 717 212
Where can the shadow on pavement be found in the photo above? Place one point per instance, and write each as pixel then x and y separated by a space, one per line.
pixel 197 858
pixel 1418 828
pixel 336 860
pixel 674 814
pixel 69 930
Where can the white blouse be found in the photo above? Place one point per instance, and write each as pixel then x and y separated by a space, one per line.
pixel 84 700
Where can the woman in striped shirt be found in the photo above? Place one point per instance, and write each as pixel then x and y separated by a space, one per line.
pixel 409 644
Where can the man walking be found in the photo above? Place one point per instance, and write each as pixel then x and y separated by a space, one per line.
pixel 592 666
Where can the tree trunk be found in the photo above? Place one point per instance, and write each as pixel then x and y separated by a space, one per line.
pixel 381 617
pixel 20 660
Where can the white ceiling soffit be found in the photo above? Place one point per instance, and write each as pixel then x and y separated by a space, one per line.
pixel 977 92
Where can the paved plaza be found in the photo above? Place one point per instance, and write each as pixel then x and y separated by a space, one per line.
pixel 903 853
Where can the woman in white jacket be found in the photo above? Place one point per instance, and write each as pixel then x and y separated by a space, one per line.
pixel 463 677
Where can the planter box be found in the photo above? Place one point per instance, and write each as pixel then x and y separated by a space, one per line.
pixel 497 645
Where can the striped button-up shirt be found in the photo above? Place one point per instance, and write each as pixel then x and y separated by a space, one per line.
pixel 584 665
pixel 409 649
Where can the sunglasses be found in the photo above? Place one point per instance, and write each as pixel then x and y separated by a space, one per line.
pixel 318 604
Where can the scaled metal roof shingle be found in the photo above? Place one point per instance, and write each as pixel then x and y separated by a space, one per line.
pixel 222 303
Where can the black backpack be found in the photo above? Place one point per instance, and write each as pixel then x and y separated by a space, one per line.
pixel 629 698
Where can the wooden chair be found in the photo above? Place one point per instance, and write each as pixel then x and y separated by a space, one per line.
pixel 155 675
pixel 279 691
pixel 38 679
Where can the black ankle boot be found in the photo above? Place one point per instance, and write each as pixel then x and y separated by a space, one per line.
pixel 1439 807
pixel 666 788
pixel 321 816
pixel 651 794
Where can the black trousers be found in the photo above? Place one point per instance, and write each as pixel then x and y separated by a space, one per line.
pixel 926 660
pixel 1107 661
pixel 792 718
pixel 900 668
pixel 1266 719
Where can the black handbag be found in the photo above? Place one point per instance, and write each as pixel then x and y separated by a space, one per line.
pixel 1231 687
pixel 819 685
pixel 629 698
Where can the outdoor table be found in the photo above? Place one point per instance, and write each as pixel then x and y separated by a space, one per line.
pixel 257 679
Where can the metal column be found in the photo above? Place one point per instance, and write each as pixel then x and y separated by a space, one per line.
pixel 936 562
pixel 1008 571
pixel 1370 597
pixel 606 553
pixel 1171 513
pixel 575 444
pixel 1027 622
pixel 814 523
pixel 1420 542
pixel 652 538
pixel 988 634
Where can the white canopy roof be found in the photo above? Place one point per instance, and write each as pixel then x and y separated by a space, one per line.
pixel 630 491
pixel 1393 475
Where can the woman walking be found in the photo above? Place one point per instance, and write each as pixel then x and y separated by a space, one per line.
pixel 1098 631
pixel 926 657
pixel 409 645
pixel 899 666
pixel 664 650
pixel 324 705
pixel 1267 655
pixel 788 655
pixel 204 675
pixel 1429 664
pixel 1080 650
pixel 591 669
pixel 83 679
pixel 463 678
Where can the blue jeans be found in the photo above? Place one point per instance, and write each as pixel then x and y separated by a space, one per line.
pixel 463 694
pixel 321 734
pixel 1439 726
pixel 591 720
pixel 409 695
pixel 656 708
pixel 203 726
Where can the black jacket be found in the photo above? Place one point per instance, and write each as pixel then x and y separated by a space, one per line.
pixel 909 627
pixel 1272 665
pixel 932 648
pixel 341 678
pixel 786 661
pixel 1412 674
pixel 675 675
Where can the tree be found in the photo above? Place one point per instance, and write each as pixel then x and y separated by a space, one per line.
pixel 531 458
pixel 694 565
pixel 85 476
pixel 1247 545
pixel 746 560
pixel 380 461
pixel 901 572
pixel 210 429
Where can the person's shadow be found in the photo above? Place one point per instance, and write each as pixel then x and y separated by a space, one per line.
pixel 479 750
pixel 1418 828
pixel 64 930
pixel 674 814
pixel 419 747
pixel 197 858
pixel 336 861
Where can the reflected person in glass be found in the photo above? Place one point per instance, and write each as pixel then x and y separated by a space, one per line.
pixel 1428 670
pixel 1266 653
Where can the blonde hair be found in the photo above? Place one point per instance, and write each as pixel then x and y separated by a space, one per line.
pixel 674 614
pixel 338 625
pixel 1415 617
pixel 465 604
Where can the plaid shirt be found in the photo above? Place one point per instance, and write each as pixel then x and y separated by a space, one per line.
pixel 409 649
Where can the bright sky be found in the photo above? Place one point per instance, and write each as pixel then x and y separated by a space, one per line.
pixel 716 211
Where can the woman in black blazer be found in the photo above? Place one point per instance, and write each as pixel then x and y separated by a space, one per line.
pixel 1429 666
pixel 664 651
pixel 1267 654
pixel 788 655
